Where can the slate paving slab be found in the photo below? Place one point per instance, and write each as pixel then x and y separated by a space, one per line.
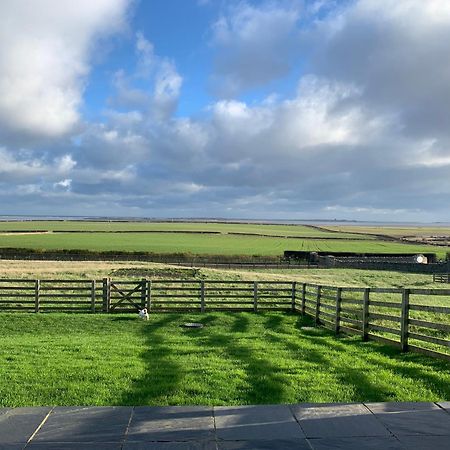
pixel 412 418
pixel 425 442
pixel 357 443
pixel 391 426
pixel 280 444
pixel 445 405
pixel 248 423
pixel 74 446
pixel 18 424
pixel 11 446
pixel 85 424
pixel 337 420
pixel 171 423
pixel 209 445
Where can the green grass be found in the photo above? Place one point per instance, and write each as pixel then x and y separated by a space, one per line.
pixel 278 230
pixel 134 269
pixel 341 277
pixel 222 244
pixel 392 231
pixel 239 358
pixel 271 244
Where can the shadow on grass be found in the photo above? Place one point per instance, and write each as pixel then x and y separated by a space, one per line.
pixel 274 323
pixel 123 319
pixel 241 342
pixel 263 381
pixel 162 373
pixel 314 349
pixel 240 324
pixel 381 357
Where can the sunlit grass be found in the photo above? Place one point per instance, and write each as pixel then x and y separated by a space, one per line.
pixel 237 358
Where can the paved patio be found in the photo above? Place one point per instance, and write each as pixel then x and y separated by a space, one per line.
pixel 415 426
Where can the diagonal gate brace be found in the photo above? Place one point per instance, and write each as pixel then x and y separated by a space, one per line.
pixel 126 296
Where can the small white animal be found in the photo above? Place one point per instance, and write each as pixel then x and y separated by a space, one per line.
pixel 143 314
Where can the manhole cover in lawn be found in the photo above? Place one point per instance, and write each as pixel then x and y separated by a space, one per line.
pixel 192 325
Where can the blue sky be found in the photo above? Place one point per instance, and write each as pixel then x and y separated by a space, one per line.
pixel 231 108
pixel 178 30
pixel 181 30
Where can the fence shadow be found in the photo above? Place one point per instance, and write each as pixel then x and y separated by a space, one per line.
pixel 270 354
pixel 160 365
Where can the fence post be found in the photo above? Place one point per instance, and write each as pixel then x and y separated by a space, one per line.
pixel 365 315
pixel 303 299
pixel 143 292
pixel 37 288
pixel 106 294
pixel 294 287
pixel 319 293
pixel 202 296
pixel 337 323
pixel 149 295
pixel 255 296
pixel 404 320
pixel 93 296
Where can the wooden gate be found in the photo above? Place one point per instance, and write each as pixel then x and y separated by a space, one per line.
pixel 126 295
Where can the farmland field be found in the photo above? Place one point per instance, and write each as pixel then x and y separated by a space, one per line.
pixel 213 244
pixel 239 358
pixel 127 269
pixel 276 230
pixel 392 231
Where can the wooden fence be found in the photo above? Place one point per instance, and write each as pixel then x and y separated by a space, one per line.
pixel 410 319
pixel 406 318
pixel 109 295
pixel 441 277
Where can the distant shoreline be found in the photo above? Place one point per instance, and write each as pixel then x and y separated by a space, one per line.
pixel 39 218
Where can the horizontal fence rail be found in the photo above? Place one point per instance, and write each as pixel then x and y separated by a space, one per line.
pixel 107 295
pixel 441 277
pixel 410 319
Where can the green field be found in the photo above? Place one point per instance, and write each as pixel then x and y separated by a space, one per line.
pixel 392 231
pixel 128 269
pixel 239 358
pixel 220 244
pixel 276 230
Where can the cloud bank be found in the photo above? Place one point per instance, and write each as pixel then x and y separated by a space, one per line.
pixel 364 134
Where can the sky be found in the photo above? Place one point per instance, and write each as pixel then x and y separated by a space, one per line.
pixel 288 109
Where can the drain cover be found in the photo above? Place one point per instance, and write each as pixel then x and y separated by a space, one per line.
pixel 192 325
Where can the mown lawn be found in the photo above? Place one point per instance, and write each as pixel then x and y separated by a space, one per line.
pixel 240 358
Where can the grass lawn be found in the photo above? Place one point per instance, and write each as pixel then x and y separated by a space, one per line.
pixel 240 358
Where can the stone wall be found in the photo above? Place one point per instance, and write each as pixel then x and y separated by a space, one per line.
pixel 379 264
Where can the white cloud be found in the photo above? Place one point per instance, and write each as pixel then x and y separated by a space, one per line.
pixel 397 51
pixel 63 184
pixel 255 45
pixel 365 134
pixel 163 83
pixel 45 51
pixel 167 89
pixel 24 166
